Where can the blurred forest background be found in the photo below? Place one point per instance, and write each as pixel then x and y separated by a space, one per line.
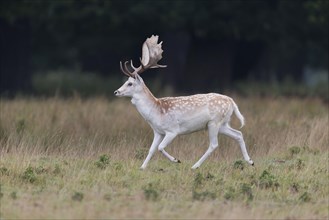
pixel 264 47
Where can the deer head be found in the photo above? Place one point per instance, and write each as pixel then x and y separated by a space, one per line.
pixel 151 54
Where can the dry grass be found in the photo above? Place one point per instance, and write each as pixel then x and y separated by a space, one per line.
pixel 51 166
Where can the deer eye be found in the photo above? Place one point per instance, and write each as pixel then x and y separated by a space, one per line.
pixel 130 84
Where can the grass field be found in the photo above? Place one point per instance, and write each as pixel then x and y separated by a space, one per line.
pixel 75 158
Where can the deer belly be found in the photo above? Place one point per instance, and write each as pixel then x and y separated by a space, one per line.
pixel 192 123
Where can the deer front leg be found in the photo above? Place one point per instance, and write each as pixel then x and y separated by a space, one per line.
pixel 156 141
pixel 167 140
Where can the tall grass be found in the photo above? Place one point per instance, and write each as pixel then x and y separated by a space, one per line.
pixel 79 158
pixel 77 127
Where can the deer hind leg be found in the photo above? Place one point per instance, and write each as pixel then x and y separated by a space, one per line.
pixel 169 137
pixel 237 135
pixel 213 139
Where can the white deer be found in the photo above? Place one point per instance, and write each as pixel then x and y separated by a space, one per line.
pixel 172 116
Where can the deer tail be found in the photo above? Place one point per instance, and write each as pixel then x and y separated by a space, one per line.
pixel 238 114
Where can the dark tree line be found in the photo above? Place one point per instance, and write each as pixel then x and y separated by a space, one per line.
pixel 207 43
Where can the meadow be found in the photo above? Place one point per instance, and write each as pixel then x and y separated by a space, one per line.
pixel 79 158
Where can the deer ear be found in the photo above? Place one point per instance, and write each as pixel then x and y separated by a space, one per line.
pixel 138 78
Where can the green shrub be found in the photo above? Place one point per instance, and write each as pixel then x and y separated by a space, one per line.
pixel 230 193
pixel 77 196
pixel 4 171
pixel 239 165
pixel 267 180
pixel 198 180
pixel 57 170
pixel 201 196
pixel 247 191
pixel 29 175
pixel 294 150
pixel 117 166
pixel 150 192
pixel 103 161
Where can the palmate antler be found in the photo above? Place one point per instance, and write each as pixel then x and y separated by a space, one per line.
pixel 151 54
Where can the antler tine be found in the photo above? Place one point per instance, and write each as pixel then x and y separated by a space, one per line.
pixel 133 74
pixel 132 65
pixel 137 70
pixel 124 71
pixel 125 66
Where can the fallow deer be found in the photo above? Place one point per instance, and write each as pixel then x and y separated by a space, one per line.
pixel 172 116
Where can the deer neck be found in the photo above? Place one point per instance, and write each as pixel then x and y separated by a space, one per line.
pixel 145 103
